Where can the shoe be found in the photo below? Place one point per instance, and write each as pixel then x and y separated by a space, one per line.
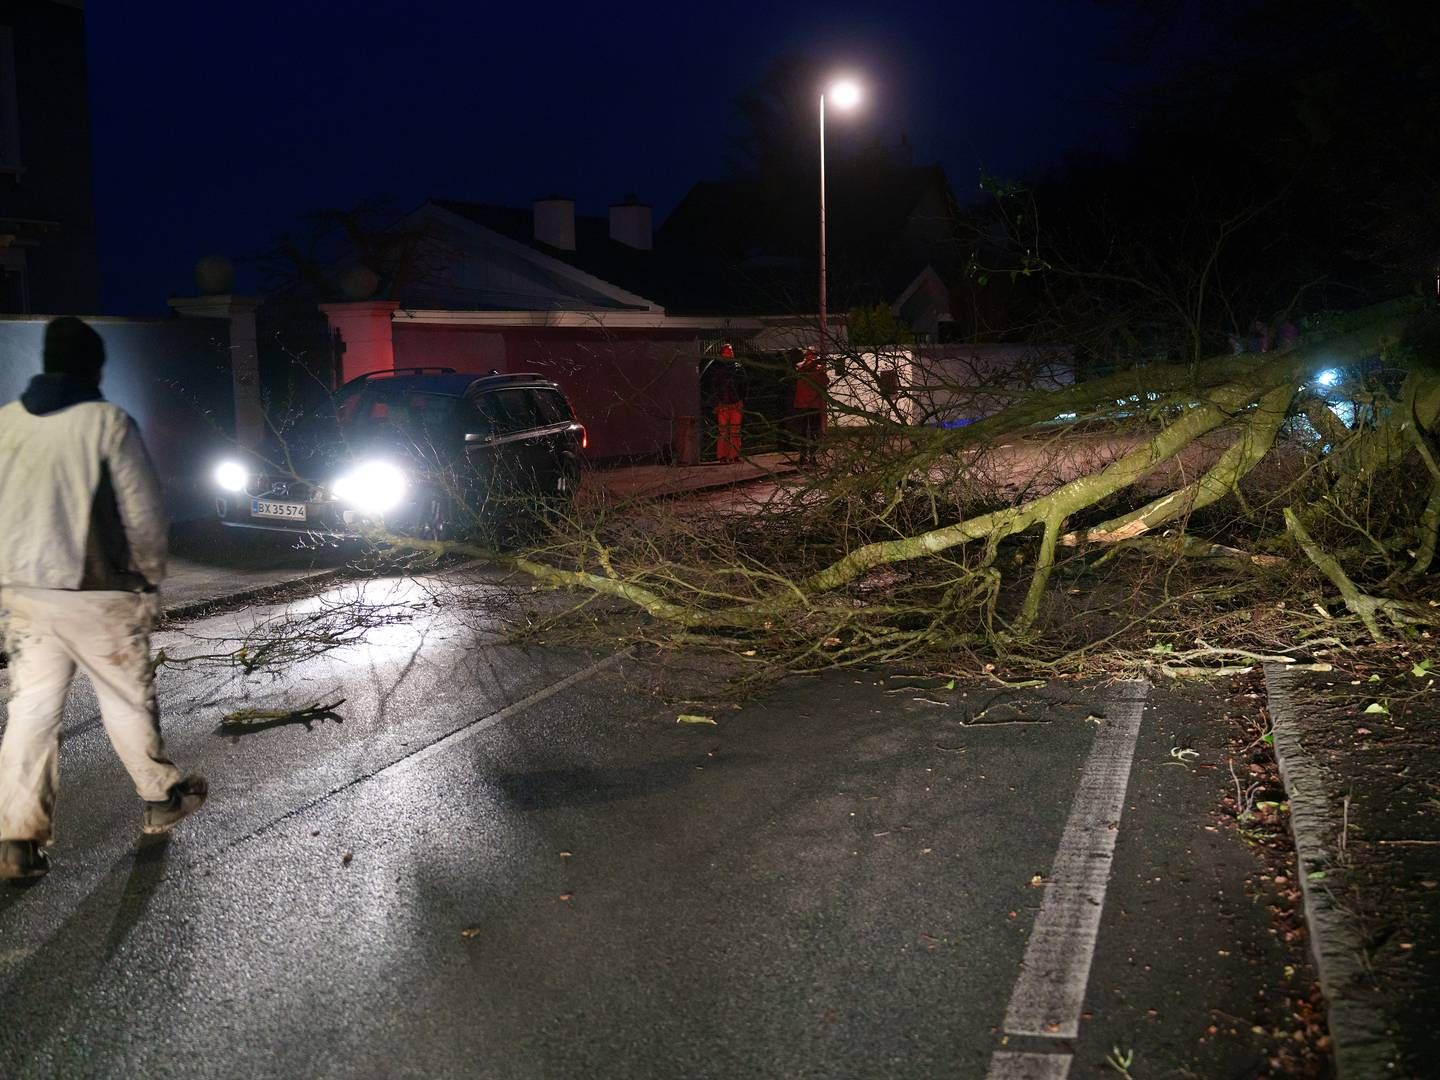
pixel 185 798
pixel 23 860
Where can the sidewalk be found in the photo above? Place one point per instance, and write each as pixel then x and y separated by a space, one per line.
pixel 659 481
pixel 212 564
pixel 1359 753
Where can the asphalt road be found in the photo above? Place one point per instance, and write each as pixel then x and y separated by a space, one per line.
pixel 514 862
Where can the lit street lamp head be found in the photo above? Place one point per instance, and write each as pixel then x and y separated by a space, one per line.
pixel 844 94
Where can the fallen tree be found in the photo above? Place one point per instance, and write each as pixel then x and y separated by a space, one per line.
pixel 902 546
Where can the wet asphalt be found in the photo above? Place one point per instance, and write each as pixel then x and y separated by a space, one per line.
pixel 513 862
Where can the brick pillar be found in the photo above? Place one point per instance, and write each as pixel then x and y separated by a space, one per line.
pixel 239 311
pixel 365 329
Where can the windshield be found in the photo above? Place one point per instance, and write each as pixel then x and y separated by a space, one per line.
pixel 375 409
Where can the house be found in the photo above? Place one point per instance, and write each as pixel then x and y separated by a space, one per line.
pixel 504 289
pixel 627 318
pixel 47 216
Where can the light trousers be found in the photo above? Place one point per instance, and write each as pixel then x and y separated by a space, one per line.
pixel 49 633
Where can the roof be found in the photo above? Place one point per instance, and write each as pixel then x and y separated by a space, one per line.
pixel 446 382
pixel 745 247
pixel 595 253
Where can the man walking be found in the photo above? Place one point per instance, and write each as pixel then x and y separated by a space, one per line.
pixel 82 553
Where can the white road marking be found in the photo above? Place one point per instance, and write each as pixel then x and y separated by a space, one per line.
pixel 486 723
pixel 440 745
pixel 1051 988
pixel 1010 1065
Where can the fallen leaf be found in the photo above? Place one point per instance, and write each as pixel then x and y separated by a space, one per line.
pixel 566 895
pixel 1376 707
pixel 470 931
pixel 694 718
pixel 1095 718
pixel 748 652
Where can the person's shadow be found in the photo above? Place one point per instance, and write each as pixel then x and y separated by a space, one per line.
pixel 72 960
pixel 146 873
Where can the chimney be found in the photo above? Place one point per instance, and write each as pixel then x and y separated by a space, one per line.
pixel 555 222
pixel 630 223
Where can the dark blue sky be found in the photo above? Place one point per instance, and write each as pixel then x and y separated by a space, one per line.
pixel 214 132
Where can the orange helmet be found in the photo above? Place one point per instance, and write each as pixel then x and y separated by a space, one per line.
pixel 727 352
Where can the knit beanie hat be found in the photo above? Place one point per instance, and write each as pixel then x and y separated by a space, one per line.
pixel 73 348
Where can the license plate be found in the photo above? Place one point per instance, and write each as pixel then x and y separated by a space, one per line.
pixel 286 511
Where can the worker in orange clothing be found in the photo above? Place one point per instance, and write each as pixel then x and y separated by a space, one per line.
pixel 729 406
pixel 811 382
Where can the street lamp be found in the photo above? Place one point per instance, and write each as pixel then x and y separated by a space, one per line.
pixel 845 94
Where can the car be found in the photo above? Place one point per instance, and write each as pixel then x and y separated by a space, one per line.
pixel 425 451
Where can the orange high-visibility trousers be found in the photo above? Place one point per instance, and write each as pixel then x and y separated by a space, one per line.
pixel 727 438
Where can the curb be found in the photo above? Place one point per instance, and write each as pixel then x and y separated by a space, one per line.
pixel 1358 1024
pixel 251 595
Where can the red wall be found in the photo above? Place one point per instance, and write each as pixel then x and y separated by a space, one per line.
pixel 627 387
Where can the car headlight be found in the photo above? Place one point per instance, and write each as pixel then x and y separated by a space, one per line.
pixel 231 476
pixel 374 487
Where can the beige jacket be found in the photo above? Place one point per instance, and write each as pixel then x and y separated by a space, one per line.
pixel 80 504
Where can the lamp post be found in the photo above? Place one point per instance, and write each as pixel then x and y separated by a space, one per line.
pixel 846 95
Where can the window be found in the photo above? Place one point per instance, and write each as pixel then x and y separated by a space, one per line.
pixel 378 404
pixel 9 111
pixel 553 406
pixel 521 412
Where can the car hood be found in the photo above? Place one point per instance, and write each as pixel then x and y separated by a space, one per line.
pixel 319 455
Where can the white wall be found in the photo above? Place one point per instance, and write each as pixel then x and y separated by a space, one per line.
pixel 858 396
pixel 172 375
pixel 956 384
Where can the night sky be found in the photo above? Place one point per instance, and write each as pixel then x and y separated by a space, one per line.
pixel 214 133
